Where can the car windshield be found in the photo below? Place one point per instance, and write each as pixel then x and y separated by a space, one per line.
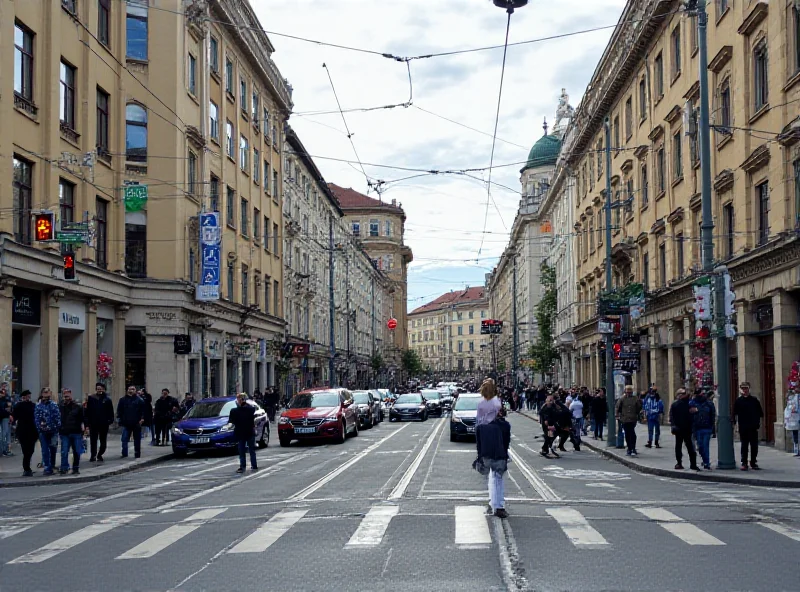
pixel 210 409
pixel 431 395
pixel 361 398
pixel 308 400
pixel 412 398
pixel 467 403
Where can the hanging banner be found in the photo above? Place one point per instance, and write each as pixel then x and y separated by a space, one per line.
pixel 210 238
pixel 135 197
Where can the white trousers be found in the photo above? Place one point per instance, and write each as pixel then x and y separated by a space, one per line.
pixel 497 497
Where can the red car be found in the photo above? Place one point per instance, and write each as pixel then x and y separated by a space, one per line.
pixel 322 413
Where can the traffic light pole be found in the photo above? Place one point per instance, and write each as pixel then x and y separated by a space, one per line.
pixel 610 400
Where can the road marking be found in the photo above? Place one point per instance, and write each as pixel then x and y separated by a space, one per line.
pixel 688 533
pixel 74 539
pixel 472 529
pixel 575 526
pixel 787 531
pixel 542 488
pixel 510 563
pixel 431 463
pixel 401 487
pixel 269 532
pixel 10 531
pixel 173 534
pixel 321 482
pixel 373 526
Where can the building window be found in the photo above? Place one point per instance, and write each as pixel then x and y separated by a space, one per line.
pixel 722 6
pixel 660 172
pixel 642 99
pixel 694 151
pixel 617 143
pixel 229 138
pixel 600 157
pixel 213 190
pixel 135 133
pixel 373 227
pixel 694 33
pixel 276 295
pixel 245 286
pixel 103 22
pixel 67 97
pixel 275 185
pixel 725 108
pixel 230 208
pixel 244 213
pixel 658 73
pixel 797 193
pixel 677 156
pixel 676 51
pixel 762 199
pixel 645 185
pixel 629 118
pixel 228 76
pixel 213 116
pixel 136 251
pixel 243 94
pixel 388 228
pixel 760 79
pixel 192 74
pixel 662 264
pixel 728 229
pixel 244 152
pixel 265 123
pixel 66 200
pixel 192 173
pixel 23 63
pixel 266 177
pixel 267 287
pixel 23 191
pixel 679 255
pixel 356 228
pixel 213 55
pixel 255 108
pixel 795 24
pixel 646 271
pixel 256 224
pixel 275 238
pixel 136 30
pixel 101 237
pixel 102 121
pixel 230 279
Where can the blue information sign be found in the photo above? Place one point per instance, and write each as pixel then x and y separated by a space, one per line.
pixel 210 239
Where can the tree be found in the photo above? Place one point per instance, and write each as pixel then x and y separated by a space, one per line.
pixel 411 363
pixel 542 352
pixel 377 362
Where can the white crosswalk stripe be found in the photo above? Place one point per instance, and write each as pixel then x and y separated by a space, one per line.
pixel 472 529
pixel 688 533
pixel 76 538
pixel 269 532
pixel 577 528
pixel 786 531
pixel 172 535
pixel 9 531
pixel 373 526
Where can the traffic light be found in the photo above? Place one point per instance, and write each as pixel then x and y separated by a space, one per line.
pixel 69 263
pixel 44 226
pixel 617 349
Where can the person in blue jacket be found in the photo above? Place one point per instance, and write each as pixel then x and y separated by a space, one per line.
pixel 653 408
pixel 704 422
pixel 48 422
pixel 493 440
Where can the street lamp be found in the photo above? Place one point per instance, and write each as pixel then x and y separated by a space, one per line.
pixel 510 5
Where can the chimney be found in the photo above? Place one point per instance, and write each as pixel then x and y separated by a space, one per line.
pixel 394 202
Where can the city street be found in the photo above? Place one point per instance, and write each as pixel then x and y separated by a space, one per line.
pixel 397 508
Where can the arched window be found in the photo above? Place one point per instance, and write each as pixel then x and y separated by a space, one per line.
pixel 136 133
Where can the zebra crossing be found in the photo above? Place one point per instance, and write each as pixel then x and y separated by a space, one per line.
pixel 468 529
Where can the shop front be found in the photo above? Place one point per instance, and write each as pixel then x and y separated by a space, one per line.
pixel 26 341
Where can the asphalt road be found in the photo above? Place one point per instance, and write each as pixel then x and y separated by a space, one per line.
pixel 397 508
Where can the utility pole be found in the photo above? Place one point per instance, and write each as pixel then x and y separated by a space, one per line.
pixel 610 400
pixel 347 312
pixel 725 452
pixel 332 308
pixel 514 334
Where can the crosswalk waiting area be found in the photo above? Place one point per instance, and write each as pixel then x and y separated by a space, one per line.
pixel 469 526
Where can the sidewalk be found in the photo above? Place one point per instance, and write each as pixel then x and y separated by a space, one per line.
pixel 778 469
pixel 113 464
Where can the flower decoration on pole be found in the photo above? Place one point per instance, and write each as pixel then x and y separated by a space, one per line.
pixel 104 366
pixel 793 381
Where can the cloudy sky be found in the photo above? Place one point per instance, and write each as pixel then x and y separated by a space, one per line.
pixel 445 213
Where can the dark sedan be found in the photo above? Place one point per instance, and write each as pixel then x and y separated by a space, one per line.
pixel 206 427
pixel 433 399
pixel 462 420
pixel 409 406
pixel 369 408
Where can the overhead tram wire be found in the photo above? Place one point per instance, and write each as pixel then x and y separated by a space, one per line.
pixel 494 137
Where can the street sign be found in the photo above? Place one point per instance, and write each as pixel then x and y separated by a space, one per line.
pixel 135 197
pixel 491 327
pixel 210 238
pixel 392 324
pixel 71 237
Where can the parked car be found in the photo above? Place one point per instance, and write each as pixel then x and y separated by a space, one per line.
pixel 433 399
pixel 462 419
pixel 319 413
pixel 206 427
pixel 409 406
pixel 369 408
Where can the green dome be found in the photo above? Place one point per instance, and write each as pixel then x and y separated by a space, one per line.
pixel 544 152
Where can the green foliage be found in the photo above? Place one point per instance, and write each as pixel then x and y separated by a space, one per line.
pixel 377 362
pixel 542 352
pixel 283 363
pixel 411 362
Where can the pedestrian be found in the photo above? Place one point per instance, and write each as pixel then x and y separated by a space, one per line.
pixel 704 425
pixel 162 416
pixel 187 404
pixel 599 413
pixel 148 425
pixel 492 440
pixel 71 432
pixel 653 410
pixel 490 405
pixel 628 410
pixel 5 421
pixel 99 416
pixel 747 412
pixel 23 417
pixel 244 426
pixel 680 421
pixel 130 415
pixel 791 418
pixel 48 422
pixel 548 418
pixel 564 427
pixel 576 408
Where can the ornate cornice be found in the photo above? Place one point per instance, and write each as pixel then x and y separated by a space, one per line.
pixel 627 166
pixel 642 239
pixel 641 151
pixel 790 135
pixel 673 115
pixel 658 226
pixel 758 158
pixel 723 181
pixel 752 20
pixel 669 298
pixel 656 133
pixel 693 92
pixel 695 202
pixel 723 56
pixel 676 215
pixel 766 262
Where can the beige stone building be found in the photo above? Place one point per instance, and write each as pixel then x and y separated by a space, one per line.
pixel 446 333
pixel 646 82
pixel 380 227
pixel 108 93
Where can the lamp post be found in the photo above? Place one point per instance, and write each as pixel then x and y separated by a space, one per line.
pixel 510 5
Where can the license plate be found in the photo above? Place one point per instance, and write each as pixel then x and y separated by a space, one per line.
pixel 305 430
pixel 203 440
pixel 470 430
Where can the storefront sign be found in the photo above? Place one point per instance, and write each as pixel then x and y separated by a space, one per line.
pixel 182 344
pixel 162 316
pixel 210 238
pixel 214 348
pixel 72 315
pixel 27 307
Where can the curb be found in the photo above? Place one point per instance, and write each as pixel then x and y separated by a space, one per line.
pixel 89 478
pixel 716 476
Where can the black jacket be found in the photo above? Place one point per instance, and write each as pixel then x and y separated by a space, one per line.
pixel 243 419
pixel 5 407
pixel 71 418
pixel 548 415
pixel 130 411
pixel 99 411
pixel 493 439
pixel 26 424
pixel 748 413
pixel 679 417
pixel 563 416
pixel 162 409
pixel 599 408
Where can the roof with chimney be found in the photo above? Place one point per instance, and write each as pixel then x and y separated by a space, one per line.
pixel 350 199
pixel 454 298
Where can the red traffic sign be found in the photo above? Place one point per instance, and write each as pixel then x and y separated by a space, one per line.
pixel 392 324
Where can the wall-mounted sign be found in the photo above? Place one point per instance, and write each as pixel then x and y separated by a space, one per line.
pixel 72 315
pixel 210 238
pixel 162 316
pixel 182 344
pixel 27 307
pixel 392 324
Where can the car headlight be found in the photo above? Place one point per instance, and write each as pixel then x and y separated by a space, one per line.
pixel 284 420
pixel 177 431
pixel 228 427
pixel 331 419
pixel 456 419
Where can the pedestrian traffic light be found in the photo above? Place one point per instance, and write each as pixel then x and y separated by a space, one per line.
pixel 44 226
pixel 617 349
pixel 69 263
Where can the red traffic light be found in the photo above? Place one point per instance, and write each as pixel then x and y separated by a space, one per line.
pixel 69 266
pixel 617 348
pixel 44 226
